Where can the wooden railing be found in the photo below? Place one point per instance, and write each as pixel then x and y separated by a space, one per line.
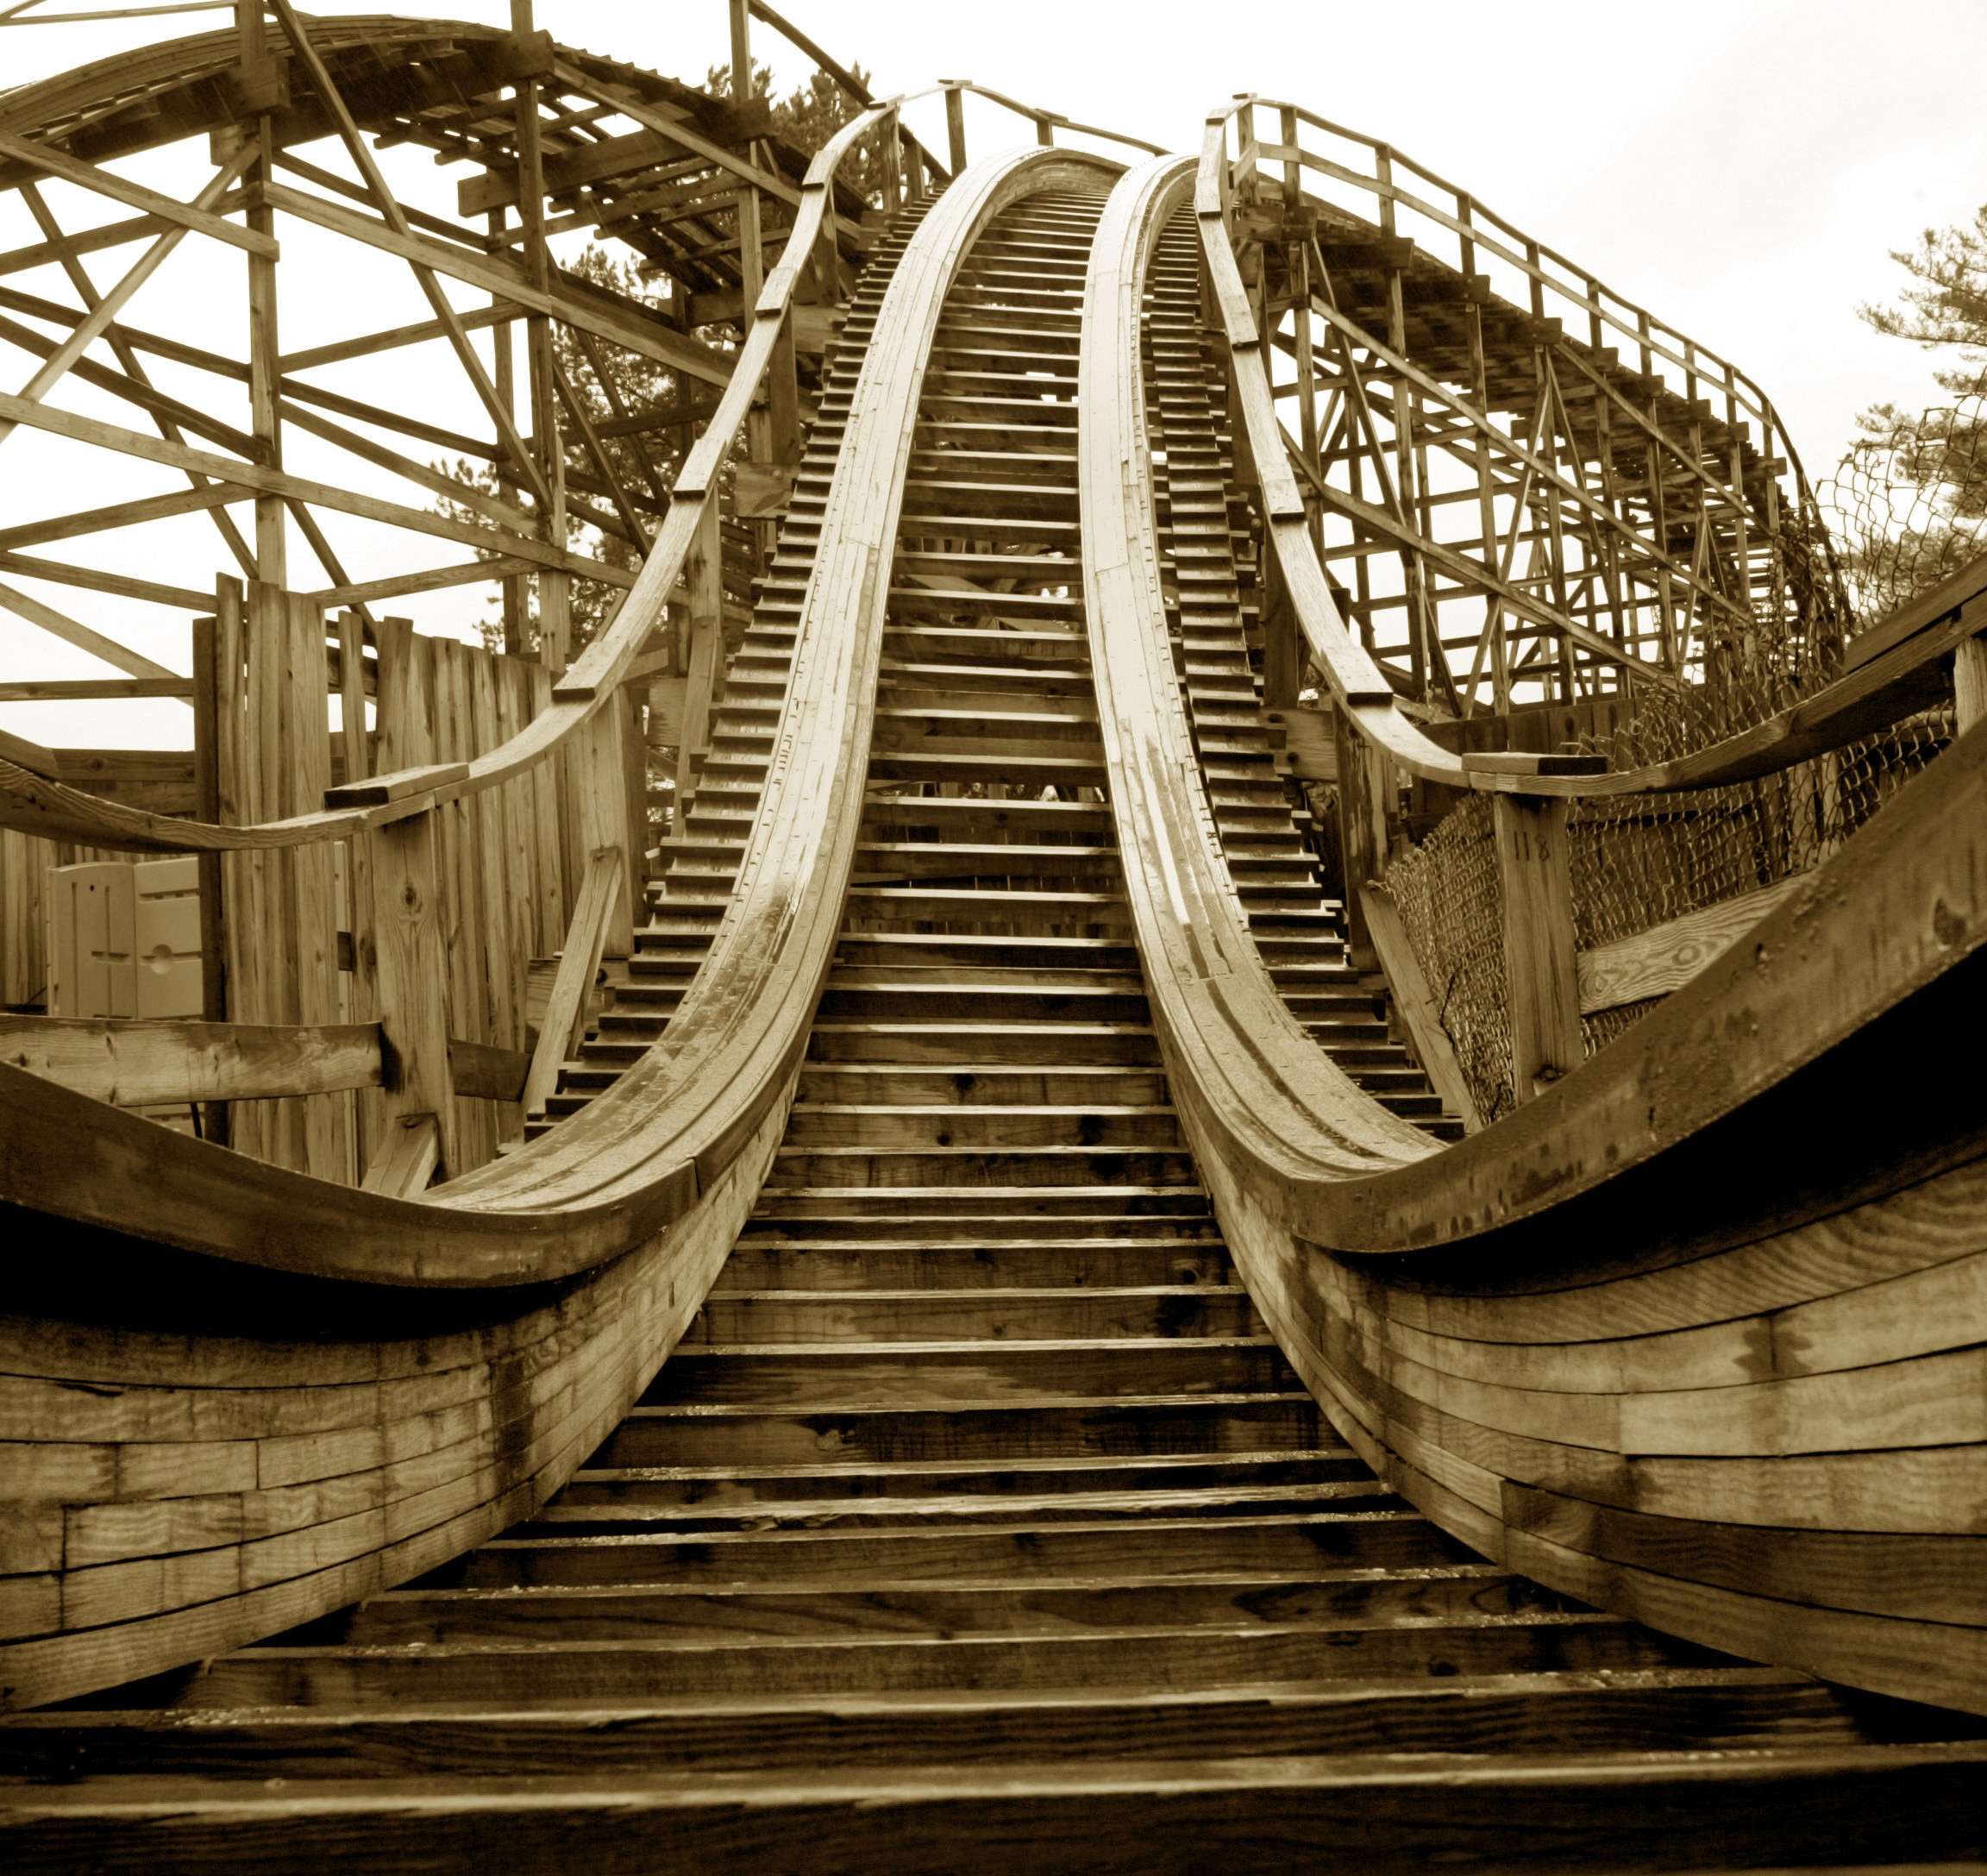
pixel 1647 525
pixel 1876 686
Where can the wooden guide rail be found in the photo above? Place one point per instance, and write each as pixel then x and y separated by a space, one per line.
pixel 1616 1401
pixel 663 1165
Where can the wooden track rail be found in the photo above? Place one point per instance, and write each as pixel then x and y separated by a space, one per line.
pixel 1525 1398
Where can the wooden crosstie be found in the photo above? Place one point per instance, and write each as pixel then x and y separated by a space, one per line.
pixel 834 1210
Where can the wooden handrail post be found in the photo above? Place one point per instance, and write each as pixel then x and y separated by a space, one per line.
pixel 1541 965
pixel 705 575
pixel 956 127
pixel 411 971
pixel 1363 783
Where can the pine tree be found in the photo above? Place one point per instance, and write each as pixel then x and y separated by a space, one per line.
pixel 1912 490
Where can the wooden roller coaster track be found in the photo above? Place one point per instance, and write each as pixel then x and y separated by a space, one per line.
pixel 852 1223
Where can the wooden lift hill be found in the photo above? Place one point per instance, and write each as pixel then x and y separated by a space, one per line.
pixel 1039 1128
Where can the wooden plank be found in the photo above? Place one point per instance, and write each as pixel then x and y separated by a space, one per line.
pixel 31 756
pixel 96 689
pixel 180 599
pixel 1667 956
pixel 1969 679
pixel 306 737
pixel 163 1061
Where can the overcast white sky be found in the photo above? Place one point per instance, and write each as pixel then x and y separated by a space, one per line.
pixel 1738 165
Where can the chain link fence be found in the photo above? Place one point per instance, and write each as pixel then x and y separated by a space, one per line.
pixel 1908 508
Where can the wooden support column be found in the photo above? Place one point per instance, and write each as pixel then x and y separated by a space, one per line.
pixel 412 967
pixel 1363 785
pixel 1541 964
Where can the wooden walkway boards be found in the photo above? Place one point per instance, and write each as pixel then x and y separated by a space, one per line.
pixel 978 1521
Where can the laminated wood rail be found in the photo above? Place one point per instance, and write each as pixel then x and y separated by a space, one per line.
pixel 975 1315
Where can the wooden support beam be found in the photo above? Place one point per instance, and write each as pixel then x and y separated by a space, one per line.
pixel 705 573
pixel 571 79
pixel 31 756
pixel 398 585
pixel 408 1158
pixel 956 127
pixel 1419 1009
pixel 563 1027
pixel 74 632
pixel 1541 970
pixel 92 327
pixel 195 217
pixel 361 155
pixel 60 573
pixel 319 494
pixel 392 339
pixel 621 326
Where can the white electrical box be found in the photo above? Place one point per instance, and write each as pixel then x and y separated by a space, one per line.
pixel 123 938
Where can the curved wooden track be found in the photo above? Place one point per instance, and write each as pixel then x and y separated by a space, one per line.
pixel 991 1347
pixel 1613 1425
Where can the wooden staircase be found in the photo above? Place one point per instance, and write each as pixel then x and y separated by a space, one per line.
pixel 978 1521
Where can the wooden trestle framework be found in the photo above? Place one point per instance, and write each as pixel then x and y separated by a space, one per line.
pixel 829 1187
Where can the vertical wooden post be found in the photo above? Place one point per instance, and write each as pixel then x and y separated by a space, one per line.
pixel 597 776
pixel 955 129
pixel 706 581
pixel 1283 646
pixel 412 971
pixel 555 589
pixel 515 588
pixel 1532 864
pixel 1362 781
pixel 634 781
pixel 358 749
pixel 207 807
pixel 271 558
pixel 1970 674
pixel 304 751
